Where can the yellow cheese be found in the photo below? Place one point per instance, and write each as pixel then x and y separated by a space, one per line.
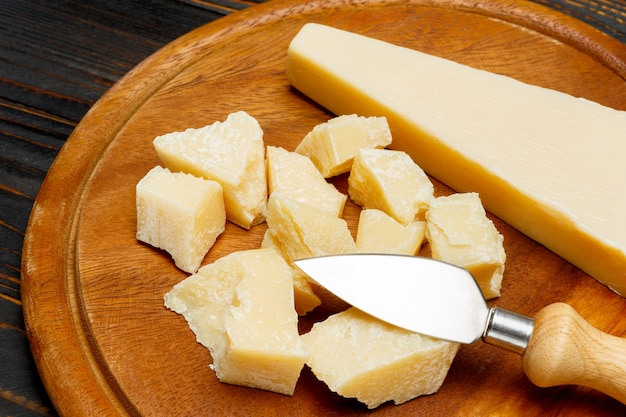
pixel 548 163
pixel 230 152
pixel 241 307
pixel 380 233
pixel 305 231
pixel 305 298
pixel 180 214
pixel 460 233
pixel 295 177
pixel 333 145
pixel 361 357
pixel 391 182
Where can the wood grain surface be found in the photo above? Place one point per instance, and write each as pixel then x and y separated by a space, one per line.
pixel 111 362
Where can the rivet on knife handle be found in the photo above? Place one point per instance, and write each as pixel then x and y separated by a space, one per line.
pixel 565 349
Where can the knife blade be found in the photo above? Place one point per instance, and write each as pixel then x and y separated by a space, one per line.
pixel 441 300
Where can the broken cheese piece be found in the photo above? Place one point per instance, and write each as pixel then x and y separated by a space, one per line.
pixel 460 233
pixel 305 298
pixel 378 232
pixel 294 176
pixel 333 145
pixel 391 182
pixel 230 152
pixel 547 163
pixel 249 324
pixel 361 357
pixel 180 214
pixel 304 231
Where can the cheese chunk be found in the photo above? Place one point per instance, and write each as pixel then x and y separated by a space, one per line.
pixel 230 152
pixel 305 298
pixel 294 176
pixel 391 182
pixel 180 214
pixel 380 233
pixel 333 145
pixel 361 357
pixel 460 233
pixel 241 308
pixel 547 163
pixel 305 231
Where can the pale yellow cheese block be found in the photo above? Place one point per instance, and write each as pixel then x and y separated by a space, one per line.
pixel 180 214
pixel 305 298
pixel 390 181
pixel 460 233
pixel 333 145
pixel 545 162
pixel 378 232
pixel 230 152
pixel 295 177
pixel 304 231
pixel 361 357
pixel 241 307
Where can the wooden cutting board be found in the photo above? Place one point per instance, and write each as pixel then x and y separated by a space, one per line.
pixel 104 343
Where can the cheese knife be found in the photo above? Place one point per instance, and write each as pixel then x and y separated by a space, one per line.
pixel 438 299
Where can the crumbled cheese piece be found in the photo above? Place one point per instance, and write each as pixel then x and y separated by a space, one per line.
pixel 333 145
pixel 460 233
pixel 180 214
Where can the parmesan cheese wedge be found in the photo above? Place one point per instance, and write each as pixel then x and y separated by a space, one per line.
pixel 333 145
pixel 230 152
pixel 380 233
pixel 241 308
pixel 550 164
pixel 391 182
pixel 361 357
pixel 180 214
pixel 460 233
pixel 295 177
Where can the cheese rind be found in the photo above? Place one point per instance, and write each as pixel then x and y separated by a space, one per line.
pixel 361 357
pixel 180 214
pixel 230 152
pixel 380 233
pixel 390 181
pixel 545 162
pixel 333 145
pixel 459 232
pixel 295 177
pixel 241 308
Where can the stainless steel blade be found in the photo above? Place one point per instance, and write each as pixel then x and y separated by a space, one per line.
pixel 415 293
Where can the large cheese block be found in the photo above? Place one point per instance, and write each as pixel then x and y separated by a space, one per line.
pixel 296 177
pixel 333 145
pixel 180 214
pixel 232 153
pixel 550 164
pixel 390 181
pixel 241 308
pixel 459 232
pixel 361 357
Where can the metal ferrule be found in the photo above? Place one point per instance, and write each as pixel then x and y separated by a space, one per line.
pixel 508 330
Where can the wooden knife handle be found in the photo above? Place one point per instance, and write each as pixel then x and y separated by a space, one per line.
pixel 565 349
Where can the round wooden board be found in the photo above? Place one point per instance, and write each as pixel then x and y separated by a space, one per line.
pixel 104 343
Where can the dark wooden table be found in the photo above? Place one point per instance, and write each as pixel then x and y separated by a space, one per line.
pixel 56 59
